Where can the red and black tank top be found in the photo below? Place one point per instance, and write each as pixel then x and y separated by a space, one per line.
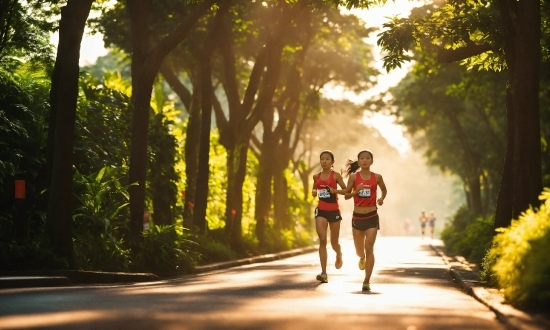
pixel 327 201
pixel 367 195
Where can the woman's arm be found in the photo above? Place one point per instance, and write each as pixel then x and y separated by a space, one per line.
pixel 351 181
pixel 382 185
pixel 314 190
pixel 340 182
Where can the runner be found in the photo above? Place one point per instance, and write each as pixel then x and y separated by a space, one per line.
pixel 362 186
pixel 423 220
pixel 327 212
pixel 431 223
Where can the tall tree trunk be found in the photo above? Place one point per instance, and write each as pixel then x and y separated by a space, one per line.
pixel 521 181
pixel 145 67
pixel 207 94
pixel 192 140
pixel 504 207
pixel 63 98
pixel 525 91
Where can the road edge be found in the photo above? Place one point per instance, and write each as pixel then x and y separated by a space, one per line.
pixel 468 279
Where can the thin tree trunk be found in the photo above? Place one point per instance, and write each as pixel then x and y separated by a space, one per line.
pixel 63 98
pixel 236 169
pixel 504 207
pixel 192 138
pixel 266 163
pixel 207 94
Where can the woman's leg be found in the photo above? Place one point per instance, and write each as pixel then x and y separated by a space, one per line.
pixel 370 238
pixel 359 242
pixel 321 225
pixel 334 237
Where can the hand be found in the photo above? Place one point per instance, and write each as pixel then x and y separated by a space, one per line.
pixel 380 201
pixel 329 189
pixel 314 192
pixel 360 187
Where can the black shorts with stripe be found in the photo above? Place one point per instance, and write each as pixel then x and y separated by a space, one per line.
pixel 364 221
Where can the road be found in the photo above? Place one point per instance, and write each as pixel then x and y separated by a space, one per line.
pixel 411 290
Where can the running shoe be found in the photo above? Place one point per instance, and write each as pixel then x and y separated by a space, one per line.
pixel 366 287
pixel 362 263
pixel 339 261
pixel 323 278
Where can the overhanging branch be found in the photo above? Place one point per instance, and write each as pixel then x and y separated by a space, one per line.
pixel 454 55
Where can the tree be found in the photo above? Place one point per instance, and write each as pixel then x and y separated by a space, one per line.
pixel 491 34
pixel 246 111
pixel 458 114
pixel 63 99
pixel 146 61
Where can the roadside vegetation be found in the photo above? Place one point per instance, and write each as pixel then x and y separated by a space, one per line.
pixel 194 140
pixel 462 107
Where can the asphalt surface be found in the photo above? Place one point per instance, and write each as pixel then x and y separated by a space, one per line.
pixel 411 289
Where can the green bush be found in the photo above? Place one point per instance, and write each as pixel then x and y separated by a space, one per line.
pixel 212 250
pixel 469 236
pixel 35 254
pixel 97 238
pixel 165 251
pixel 522 265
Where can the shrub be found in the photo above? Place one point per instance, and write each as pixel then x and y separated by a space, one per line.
pixel 98 243
pixel 165 251
pixel 469 236
pixel 212 247
pixel 522 265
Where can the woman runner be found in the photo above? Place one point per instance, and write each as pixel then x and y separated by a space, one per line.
pixel 362 186
pixel 327 212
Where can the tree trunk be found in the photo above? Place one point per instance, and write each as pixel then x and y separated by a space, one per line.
pixel 207 94
pixel 145 67
pixel 280 199
pixel 191 156
pixel 525 91
pixel 266 163
pixel 472 165
pixel 236 170
pixel 63 98
pixel 521 181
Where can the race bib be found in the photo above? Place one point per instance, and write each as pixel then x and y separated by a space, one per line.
pixel 364 193
pixel 323 193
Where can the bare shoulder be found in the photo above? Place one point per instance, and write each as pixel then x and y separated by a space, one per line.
pixel 379 177
pixel 337 175
pixel 314 177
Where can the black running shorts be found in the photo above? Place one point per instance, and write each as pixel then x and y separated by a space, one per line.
pixel 331 216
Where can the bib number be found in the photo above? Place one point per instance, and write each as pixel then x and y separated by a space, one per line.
pixel 324 193
pixel 364 193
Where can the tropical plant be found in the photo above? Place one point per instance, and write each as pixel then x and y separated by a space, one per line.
pixel 164 250
pixel 98 222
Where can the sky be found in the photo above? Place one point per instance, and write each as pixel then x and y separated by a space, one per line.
pixel 92 48
pixel 376 17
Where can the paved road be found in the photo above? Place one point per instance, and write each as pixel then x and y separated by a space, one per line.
pixel 412 290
